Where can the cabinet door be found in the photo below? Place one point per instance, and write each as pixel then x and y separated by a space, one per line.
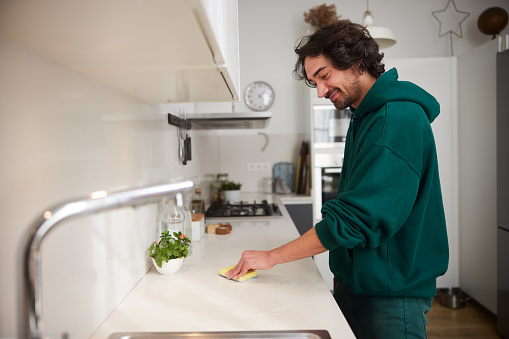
pixel 302 216
pixel 223 18
pixel 156 51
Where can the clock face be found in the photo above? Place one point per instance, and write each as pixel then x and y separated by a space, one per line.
pixel 259 96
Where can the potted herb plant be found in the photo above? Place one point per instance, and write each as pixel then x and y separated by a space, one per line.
pixel 231 191
pixel 168 254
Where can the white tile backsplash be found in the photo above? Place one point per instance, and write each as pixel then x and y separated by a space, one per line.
pixel 236 153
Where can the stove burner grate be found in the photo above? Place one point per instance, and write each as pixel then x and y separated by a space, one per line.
pixel 242 209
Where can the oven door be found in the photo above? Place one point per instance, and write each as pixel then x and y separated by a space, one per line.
pixel 330 182
pixel 326 183
pixel 327 171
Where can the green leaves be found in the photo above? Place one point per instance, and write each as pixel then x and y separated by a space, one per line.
pixel 170 246
pixel 231 186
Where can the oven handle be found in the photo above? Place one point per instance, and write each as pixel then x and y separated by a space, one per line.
pixel 332 170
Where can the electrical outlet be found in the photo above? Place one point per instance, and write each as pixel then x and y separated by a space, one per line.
pixel 258 167
pixel 265 167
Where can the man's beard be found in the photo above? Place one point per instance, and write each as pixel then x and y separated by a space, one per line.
pixel 344 99
pixel 344 103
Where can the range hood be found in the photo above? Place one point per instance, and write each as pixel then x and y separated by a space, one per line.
pixel 247 120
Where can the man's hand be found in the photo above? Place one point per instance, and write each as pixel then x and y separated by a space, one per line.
pixel 250 260
pixel 305 246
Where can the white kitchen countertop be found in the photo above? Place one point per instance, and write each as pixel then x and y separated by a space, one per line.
pixel 290 296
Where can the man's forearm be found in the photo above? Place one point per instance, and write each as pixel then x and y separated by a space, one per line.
pixel 305 246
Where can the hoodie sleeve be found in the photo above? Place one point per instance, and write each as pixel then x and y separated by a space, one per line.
pixel 376 202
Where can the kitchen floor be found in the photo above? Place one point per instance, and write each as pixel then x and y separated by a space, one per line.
pixel 470 322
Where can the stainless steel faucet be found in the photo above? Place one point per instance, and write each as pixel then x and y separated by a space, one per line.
pixel 30 310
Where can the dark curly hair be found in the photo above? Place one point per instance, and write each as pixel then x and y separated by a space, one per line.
pixel 345 44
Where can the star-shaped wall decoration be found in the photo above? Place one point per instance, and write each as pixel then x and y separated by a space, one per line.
pixel 450 19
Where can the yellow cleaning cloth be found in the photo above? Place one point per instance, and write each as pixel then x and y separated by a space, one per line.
pixel 249 274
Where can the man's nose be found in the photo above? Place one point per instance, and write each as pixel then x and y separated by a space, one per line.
pixel 321 90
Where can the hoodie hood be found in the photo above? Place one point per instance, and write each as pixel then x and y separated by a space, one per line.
pixel 387 88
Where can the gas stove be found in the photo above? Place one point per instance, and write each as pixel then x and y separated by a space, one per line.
pixel 243 210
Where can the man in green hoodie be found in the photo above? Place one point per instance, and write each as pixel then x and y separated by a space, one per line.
pixel 386 229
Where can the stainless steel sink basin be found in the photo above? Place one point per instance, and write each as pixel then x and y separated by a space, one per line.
pixel 311 334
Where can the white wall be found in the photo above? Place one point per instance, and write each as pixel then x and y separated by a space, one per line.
pixel 62 136
pixel 279 148
pixel 478 175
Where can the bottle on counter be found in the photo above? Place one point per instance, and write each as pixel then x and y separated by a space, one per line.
pixel 221 178
pixel 267 185
pixel 172 218
pixel 188 226
pixel 215 188
pixel 207 187
pixel 197 204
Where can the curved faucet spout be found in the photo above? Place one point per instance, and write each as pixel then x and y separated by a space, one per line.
pixel 30 310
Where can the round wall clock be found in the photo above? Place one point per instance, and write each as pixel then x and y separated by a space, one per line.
pixel 259 96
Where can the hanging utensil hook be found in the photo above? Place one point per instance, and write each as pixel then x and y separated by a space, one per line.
pixel 266 140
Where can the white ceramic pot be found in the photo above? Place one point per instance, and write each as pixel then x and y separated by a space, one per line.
pixel 231 196
pixel 170 267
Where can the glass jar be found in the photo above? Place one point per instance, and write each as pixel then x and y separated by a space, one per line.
pixel 197 204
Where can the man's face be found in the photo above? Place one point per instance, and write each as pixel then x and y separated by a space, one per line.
pixel 342 88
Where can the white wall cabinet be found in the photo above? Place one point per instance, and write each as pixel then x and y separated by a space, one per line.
pixel 159 51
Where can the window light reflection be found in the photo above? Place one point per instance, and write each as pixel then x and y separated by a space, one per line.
pixel 98 194
pixel 47 215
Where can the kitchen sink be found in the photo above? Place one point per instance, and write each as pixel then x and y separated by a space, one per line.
pixel 311 334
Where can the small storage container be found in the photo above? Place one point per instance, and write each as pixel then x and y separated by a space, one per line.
pixel 198 225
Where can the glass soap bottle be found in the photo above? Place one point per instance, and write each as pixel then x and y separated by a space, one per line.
pixel 172 218
pixel 188 223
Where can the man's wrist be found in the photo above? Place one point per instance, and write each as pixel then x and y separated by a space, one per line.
pixel 272 257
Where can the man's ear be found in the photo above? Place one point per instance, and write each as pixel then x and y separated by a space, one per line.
pixel 358 68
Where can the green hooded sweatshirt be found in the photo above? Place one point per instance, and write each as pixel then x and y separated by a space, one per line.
pixel 386 229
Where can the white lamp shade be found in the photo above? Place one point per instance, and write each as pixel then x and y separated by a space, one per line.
pixel 382 35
